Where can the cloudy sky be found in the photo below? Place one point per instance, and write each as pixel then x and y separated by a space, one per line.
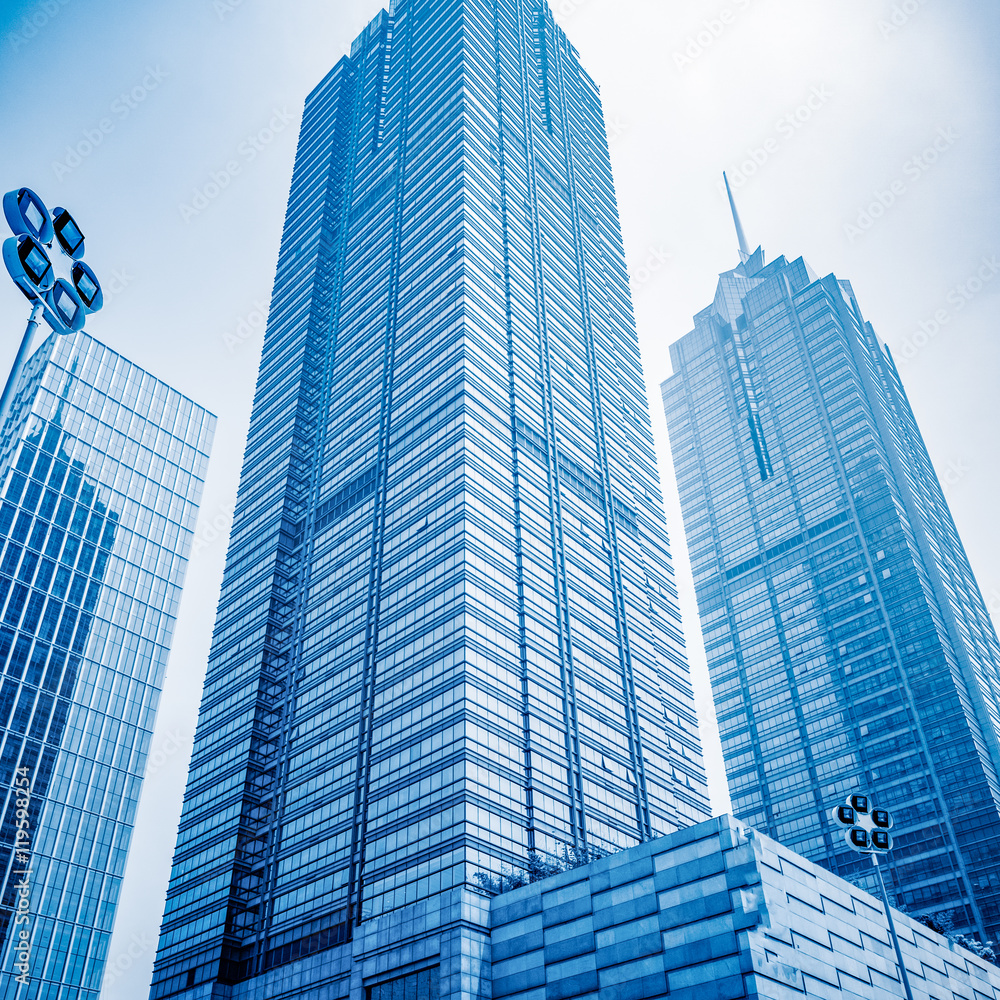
pixel 862 134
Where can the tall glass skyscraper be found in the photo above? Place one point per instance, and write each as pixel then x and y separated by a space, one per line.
pixel 849 646
pixel 101 473
pixel 448 632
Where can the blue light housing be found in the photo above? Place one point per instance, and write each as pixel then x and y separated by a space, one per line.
pixel 28 265
pixel 881 840
pixel 68 233
pixel 844 815
pixel 87 287
pixel 27 215
pixel 882 819
pixel 857 839
pixel 64 311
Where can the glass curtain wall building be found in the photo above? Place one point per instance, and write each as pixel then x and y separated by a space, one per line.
pixel 448 633
pixel 848 643
pixel 100 476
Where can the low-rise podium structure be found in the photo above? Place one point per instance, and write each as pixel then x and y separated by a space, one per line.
pixel 716 912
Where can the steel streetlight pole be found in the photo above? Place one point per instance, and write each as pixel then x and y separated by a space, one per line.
pixel 892 928
pixel 22 353
pixel 866 830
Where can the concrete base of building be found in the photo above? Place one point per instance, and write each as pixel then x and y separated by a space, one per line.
pixel 714 912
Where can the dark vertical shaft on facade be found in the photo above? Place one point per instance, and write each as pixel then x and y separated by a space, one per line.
pixel 427 665
pixel 848 643
pixel 362 788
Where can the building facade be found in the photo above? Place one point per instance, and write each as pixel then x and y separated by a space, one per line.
pixel 717 912
pixel 100 477
pixel 448 633
pixel 849 646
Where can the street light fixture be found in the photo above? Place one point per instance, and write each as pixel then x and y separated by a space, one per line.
pixel 866 830
pixel 87 287
pixel 64 302
pixel 67 233
pixel 27 215
pixel 29 265
pixel 62 308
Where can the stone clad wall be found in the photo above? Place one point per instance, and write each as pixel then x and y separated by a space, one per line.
pixel 715 912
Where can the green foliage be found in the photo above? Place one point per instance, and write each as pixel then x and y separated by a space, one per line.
pixel 538 867
pixel 934 921
pixel 985 950
pixel 944 923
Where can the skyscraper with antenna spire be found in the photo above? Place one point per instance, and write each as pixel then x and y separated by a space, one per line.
pixel 740 235
pixel 848 642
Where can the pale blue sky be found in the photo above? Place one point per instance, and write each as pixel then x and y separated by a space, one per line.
pixel 834 100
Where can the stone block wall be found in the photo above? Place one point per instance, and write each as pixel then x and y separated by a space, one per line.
pixel 715 912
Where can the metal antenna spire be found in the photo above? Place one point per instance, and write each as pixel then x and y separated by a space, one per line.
pixel 744 249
